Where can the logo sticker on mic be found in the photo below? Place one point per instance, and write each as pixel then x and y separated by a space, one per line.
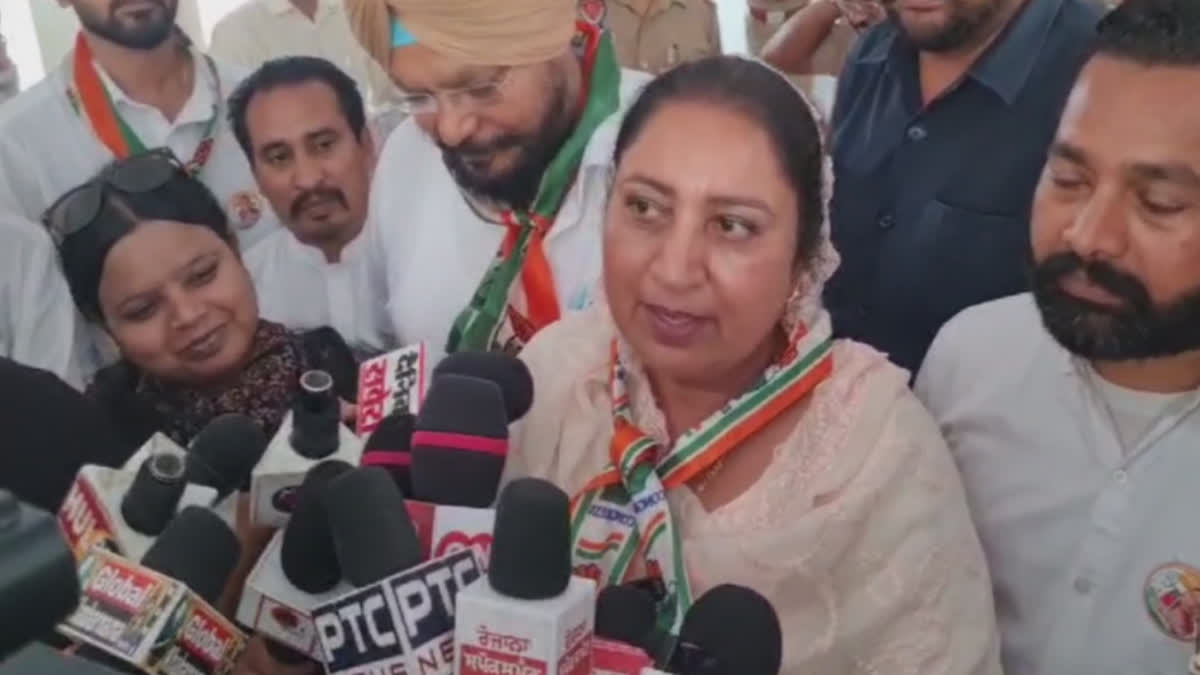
pixel 403 624
pixel 395 381
pixel 149 620
pixel 84 521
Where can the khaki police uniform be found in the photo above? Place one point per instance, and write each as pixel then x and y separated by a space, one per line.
pixel 656 35
pixel 765 17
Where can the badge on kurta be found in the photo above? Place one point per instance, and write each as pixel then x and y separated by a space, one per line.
pixel 1172 597
pixel 593 11
pixel 246 207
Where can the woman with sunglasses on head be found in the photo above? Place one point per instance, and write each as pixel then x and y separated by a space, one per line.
pixel 711 428
pixel 149 256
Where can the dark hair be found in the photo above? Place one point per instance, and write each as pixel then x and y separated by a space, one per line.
pixel 1152 32
pixel 765 97
pixel 181 198
pixel 291 71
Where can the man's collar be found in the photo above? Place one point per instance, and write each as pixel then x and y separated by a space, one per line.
pixel 199 105
pixel 280 7
pixel 1005 66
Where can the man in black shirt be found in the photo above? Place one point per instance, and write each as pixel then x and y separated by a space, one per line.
pixel 943 117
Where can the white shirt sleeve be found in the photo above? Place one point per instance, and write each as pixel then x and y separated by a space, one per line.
pixel 41 316
pixel 376 255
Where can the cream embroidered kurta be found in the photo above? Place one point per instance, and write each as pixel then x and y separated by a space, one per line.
pixel 858 532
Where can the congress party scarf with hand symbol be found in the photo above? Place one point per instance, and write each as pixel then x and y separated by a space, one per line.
pixel 522 254
pixel 623 513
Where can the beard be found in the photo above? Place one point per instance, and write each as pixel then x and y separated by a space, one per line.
pixel 517 186
pixel 1137 329
pixel 145 30
pixel 965 25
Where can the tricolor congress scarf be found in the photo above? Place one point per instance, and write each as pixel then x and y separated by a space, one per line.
pixel 496 302
pixel 623 513
pixel 90 99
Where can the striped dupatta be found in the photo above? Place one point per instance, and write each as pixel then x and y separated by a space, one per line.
pixel 623 513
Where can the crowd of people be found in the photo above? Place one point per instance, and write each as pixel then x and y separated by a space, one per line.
pixel 923 373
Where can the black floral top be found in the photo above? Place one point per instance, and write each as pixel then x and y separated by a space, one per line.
pixel 140 405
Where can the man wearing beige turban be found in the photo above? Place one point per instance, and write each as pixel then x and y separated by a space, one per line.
pixel 487 203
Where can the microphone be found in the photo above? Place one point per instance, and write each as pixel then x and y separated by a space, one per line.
pixel 372 531
pixel 157 615
pixel 390 446
pixel 307 555
pixel 626 614
pixel 505 371
pixel 394 382
pixel 197 549
pixel 225 452
pixel 123 510
pixel 532 611
pixel 308 563
pixel 310 433
pixel 157 488
pixel 730 630
pixel 297 571
pixel 460 442
pixel 38 582
pixel 401 616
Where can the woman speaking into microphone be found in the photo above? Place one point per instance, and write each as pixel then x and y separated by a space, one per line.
pixel 711 428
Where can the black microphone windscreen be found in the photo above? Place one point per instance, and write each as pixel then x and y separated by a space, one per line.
pixel 531 541
pixel 625 614
pixel 39 584
pixel 460 442
pixel 504 370
pixel 225 452
pixel 390 446
pixel 316 416
pixel 151 501
pixel 306 554
pixel 197 549
pixel 372 531
pixel 735 630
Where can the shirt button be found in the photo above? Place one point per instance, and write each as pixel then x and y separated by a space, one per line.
pixel 886 221
pixel 1083 586
pixel 917 133
pixel 1120 476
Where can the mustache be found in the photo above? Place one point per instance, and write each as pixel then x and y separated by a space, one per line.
pixel 121 4
pixel 1049 273
pixel 318 195
pixel 468 150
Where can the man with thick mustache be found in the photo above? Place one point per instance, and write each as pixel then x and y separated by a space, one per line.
pixel 942 119
pixel 302 122
pixel 133 82
pixel 1074 411
pixel 487 203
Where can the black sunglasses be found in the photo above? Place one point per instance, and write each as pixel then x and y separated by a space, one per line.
pixel 80 207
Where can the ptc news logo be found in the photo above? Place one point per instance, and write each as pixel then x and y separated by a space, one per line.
pixel 402 624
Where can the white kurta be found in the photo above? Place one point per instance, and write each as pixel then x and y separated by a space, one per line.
pixel 37 315
pixel 47 149
pixel 1073 524
pixel 261 30
pixel 431 249
pixel 300 289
